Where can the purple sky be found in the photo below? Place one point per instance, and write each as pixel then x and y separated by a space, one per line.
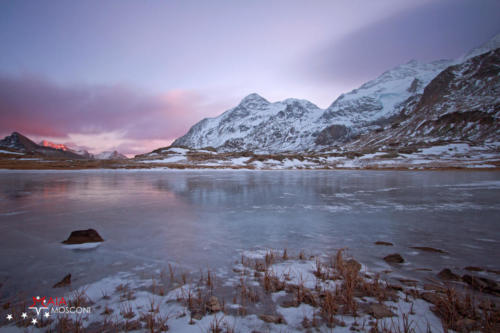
pixel 134 75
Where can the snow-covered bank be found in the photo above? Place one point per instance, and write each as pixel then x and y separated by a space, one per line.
pixel 444 156
pixel 267 290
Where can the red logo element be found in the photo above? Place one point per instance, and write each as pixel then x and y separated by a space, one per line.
pixel 44 305
pixel 40 300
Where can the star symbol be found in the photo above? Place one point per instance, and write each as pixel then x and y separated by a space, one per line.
pixel 9 317
pixel 47 315
pixel 24 315
pixel 34 321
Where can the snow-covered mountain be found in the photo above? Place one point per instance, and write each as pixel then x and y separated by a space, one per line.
pixel 83 152
pixel 110 155
pixel 257 124
pixel 297 125
pixel 461 104
pixel 22 144
pixel 105 155
pixel 17 142
pixel 492 44
pixel 60 146
pixel 378 101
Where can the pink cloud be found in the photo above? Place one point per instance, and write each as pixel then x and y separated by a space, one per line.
pixel 39 108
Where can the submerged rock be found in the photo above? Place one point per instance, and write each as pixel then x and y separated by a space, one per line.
pixel 473 269
pixel 66 281
pixel 83 236
pixel 447 274
pixel 428 249
pixel 384 243
pixel 394 258
pixel 482 284
pixel 494 271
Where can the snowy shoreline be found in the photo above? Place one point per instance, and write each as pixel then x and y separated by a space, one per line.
pixel 195 169
pixel 269 290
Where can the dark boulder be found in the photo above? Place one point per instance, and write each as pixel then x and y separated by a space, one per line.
pixel 473 269
pixel 83 236
pixel 482 284
pixel 384 243
pixel 428 249
pixel 394 258
pixel 447 274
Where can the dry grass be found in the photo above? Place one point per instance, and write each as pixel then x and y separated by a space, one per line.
pixel 247 294
pixel 126 293
pixel 339 289
pixel 154 322
pixel 127 311
pixel 197 298
pixel 79 298
pixel 196 160
pixel 285 255
pixel 463 312
pixel 220 325
pixel 271 282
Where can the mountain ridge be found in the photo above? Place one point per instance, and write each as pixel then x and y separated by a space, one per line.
pixel 299 125
pixel 22 144
pixel 18 142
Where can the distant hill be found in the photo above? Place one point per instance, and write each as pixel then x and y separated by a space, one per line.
pixel 21 144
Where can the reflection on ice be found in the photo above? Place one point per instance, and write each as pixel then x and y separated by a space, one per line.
pixel 197 219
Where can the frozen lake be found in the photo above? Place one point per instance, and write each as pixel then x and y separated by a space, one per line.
pixel 205 219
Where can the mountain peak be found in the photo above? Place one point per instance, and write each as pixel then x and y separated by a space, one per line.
pixel 254 99
pixel 492 44
pixel 18 141
pixel 110 155
pixel 412 62
pixel 17 134
pixel 45 143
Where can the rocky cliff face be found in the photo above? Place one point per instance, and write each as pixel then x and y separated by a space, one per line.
pixel 461 104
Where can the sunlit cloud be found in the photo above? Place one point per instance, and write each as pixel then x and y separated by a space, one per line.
pixel 99 117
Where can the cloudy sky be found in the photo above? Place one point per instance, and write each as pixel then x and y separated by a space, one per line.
pixel 134 75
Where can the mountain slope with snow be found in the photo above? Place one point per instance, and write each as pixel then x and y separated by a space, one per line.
pixel 461 104
pixel 110 155
pixel 257 124
pixel 21 143
pixel 383 97
pixel 82 152
pixel 298 125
